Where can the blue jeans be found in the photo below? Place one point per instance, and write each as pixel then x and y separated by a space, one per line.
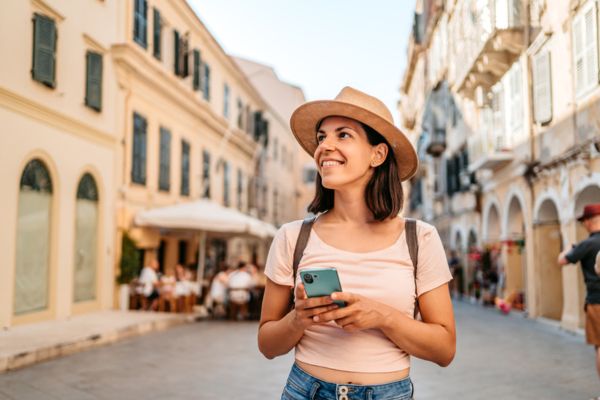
pixel 302 386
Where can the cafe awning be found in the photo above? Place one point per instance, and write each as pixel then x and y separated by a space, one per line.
pixel 206 216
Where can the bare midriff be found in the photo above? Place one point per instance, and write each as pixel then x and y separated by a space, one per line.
pixel 352 378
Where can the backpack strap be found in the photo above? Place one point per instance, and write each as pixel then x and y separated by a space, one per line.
pixel 301 243
pixel 412 241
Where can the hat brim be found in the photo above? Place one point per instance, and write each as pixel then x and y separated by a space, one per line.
pixel 305 118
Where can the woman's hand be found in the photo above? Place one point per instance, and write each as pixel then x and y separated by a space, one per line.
pixel 359 314
pixel 306 309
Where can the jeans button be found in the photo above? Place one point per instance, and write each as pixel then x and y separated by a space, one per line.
pixel 343 397
pixel 343 390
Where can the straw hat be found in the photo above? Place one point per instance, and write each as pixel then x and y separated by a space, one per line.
pixel 352 103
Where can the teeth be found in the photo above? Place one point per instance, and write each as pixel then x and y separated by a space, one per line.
pixel 330 163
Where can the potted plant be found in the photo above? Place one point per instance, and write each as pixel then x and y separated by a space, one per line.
pixel 129 269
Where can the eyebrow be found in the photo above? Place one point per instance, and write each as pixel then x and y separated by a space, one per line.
pixel 338 129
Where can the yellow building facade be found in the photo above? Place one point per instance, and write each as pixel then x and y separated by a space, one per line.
pixel 58 155
pixel 511 147
pixel 113 108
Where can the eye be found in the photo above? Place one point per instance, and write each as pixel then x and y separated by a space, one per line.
pixel 345 134
pixel 320 138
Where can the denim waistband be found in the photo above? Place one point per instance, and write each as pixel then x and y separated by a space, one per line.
pixel 303 385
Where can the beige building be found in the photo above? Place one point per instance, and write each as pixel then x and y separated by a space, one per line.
pixel 500 97
pixel 115 108
pixel 58 110
pixel 289 170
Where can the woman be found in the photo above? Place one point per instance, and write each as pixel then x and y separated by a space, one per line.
pixel 360 351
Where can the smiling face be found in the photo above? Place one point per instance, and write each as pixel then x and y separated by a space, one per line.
pixel 344 155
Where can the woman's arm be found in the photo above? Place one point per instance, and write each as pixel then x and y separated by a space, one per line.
pixel 432 339
pixel 280 329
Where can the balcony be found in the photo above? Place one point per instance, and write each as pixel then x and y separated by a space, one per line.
pixel 493 37
pixel 488 151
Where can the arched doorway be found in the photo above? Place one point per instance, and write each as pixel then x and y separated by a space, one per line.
pixel 514 255
pixel 86 240
pixel 460 254
pixel 32 274
pixel 547 239
pixel 491 240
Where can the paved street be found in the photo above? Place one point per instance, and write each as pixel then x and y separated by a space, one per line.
pixel 498 358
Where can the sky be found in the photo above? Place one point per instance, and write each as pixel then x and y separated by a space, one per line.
pixel 319 45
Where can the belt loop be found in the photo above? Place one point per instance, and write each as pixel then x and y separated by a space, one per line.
pixel 314 390
pixel 369 394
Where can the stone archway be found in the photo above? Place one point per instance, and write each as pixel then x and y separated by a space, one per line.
pixel 547 242
pixel 493 231
pixel 514 255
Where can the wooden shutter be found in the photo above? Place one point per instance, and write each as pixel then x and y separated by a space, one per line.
pixel 164 179
pixel 44 50
pixel 591 46
pixel 542 88
pixel 156 36
pixel 185 168
pixel 138 165
pixel 206 81
pixel 197 63
pixel 177 67
pixel 93 87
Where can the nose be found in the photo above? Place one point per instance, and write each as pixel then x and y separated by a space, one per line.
pixel 327 144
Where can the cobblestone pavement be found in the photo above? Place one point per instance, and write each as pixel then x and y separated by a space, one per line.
pixel 498 357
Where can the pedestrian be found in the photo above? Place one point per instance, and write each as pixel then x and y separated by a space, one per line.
pixel 239 285
pixel 361 350
pixel 586 252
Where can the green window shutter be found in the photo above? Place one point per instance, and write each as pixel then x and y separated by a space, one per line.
pixel 177 67
pixel 93 87
pixel 138 164
pixel 185 168
pixel 44 50
pixel 197 63
pixel 164 182
pixel 156 35
pixel 206 81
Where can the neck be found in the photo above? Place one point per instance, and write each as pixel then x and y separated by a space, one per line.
pixel 350 206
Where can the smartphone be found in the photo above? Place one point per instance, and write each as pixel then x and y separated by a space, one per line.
pixel 321 282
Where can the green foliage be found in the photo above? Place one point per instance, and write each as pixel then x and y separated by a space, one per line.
pixel 130 261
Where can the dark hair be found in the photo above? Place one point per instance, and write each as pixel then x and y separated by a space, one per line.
pixel 384 195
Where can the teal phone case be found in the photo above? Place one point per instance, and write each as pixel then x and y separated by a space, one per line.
pixel 321 282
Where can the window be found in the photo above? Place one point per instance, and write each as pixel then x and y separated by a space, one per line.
pixel 177 50
pixel 309 175
pixel 93 82
pixel 226 183
pixel 206 81
pixel 156 35
pixel 499 126
pixel 240 114
pixel 226 101
pixel 197 64
pixel 33 239
pixel 275 206
pixel 164 169
pixel 240 188
pixel 516 99
pixel 185 168
pixel 275 148
pixel 249 121
pixel 86 240
pixel 43 69
pixel 138 165
pixel 140 22
pixel 205 174
pixel 542 87
pixel 585 48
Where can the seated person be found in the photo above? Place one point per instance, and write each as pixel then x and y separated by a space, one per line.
pixel 240 283
pixel 149 282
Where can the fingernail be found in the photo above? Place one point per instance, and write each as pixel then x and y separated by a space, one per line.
pixel 316 319
pixel 334 296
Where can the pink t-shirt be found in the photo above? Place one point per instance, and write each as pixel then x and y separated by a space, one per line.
pixel 384 275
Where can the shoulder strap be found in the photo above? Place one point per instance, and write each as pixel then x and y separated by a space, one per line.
pixel 302 241
pixel 412 241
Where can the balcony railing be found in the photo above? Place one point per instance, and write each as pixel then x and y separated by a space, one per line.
pixel 493 32
pixel 488 150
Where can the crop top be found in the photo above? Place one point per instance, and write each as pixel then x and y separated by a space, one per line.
pixel 384 275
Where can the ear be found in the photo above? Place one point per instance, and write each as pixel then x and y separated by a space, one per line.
pixel 379 154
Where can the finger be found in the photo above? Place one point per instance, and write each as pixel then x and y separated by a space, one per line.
pixel 299 291
pixel 333 315
pixel 311 312
pixel 349 298
pixel 342 322
pixel 318 301
pixel 350 328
